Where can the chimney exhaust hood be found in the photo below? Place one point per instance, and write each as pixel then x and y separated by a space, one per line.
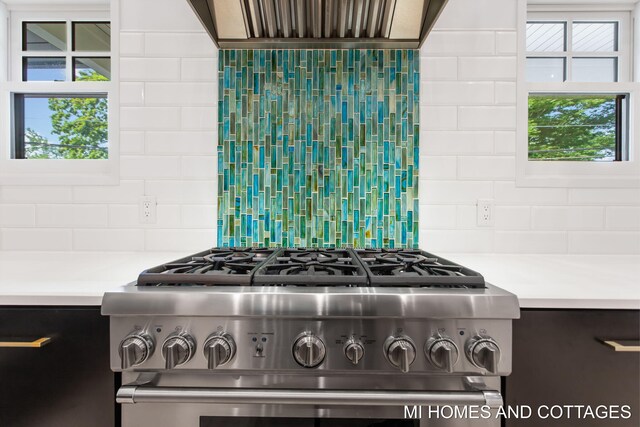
pixel 318 24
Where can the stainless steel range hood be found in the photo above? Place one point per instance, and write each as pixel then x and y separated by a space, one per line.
pixel 319 24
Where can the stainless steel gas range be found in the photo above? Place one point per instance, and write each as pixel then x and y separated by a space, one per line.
pixel 310 337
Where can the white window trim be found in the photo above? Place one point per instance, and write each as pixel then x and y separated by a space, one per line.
pixel 58 171
pixel 576 174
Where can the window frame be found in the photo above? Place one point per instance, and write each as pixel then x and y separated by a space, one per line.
pixel 58 171
pixel 571 173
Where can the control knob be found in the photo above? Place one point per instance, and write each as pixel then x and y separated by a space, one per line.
pixel 135 349
pixel 308 350
pixel 177 349
pixel 354 350
pixel 400 352
pixel 219 349
pixel 484 353
pixel 442 352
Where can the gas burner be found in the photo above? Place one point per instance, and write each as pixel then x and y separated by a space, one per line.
pixel 218 266
pixel 311 267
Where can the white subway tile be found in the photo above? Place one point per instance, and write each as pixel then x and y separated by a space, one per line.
pixel 163 44
pixel 456 240
pixel 506 193
pixel 199 167
pixel 36 239
pixel 487 118
pixel 71 216
pixel 158 15
pixel 149 69
pixel 487 68
pixel 183 94
pixel 175 191
pixel 438 68
pixel 604 196
pixel 567 218
pixel 505 142
pixel 17 215
pixel 456 93
pixel 131 142
pixel 623 218
pixel 181 142
pixel 126 192
pixel 111 239
pixel 199 118
pixel 41 194
pixel 149 167
pixel 452 192
pixel 188 240
pixel 478 14
pixel 506 93
pixel 467 217
pixel 540 242
pixel 604 242
pixel 131 44
pixel 149 118
pixel 199 69
pixel 512 218
pixel 438 118
pixel 437 217
pixel 456 142
pixel 454 43
pixel 199 216
pixel 506 42
pixel 438 167
pixel 131 93
pixel 486 167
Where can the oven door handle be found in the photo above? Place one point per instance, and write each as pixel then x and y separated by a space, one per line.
pixel 151 394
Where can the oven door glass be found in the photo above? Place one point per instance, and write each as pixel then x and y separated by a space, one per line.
pixel 302 422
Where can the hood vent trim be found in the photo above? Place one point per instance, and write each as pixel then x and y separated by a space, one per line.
pixel 300 24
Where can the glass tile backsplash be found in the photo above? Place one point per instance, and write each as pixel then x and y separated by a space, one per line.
pixel 318 148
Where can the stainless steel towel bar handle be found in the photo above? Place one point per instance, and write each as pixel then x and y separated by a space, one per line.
pixel 151 394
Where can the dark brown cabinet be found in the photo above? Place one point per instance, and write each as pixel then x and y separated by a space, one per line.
pixel 558 359
pixel 64 383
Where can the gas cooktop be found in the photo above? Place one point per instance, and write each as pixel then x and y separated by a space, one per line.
pixel 312 267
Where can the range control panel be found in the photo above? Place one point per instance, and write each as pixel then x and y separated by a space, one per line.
pixel 469 346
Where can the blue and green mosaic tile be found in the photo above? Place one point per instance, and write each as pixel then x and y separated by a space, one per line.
pixel 318 148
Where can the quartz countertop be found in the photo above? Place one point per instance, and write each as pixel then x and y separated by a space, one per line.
pixel 539 281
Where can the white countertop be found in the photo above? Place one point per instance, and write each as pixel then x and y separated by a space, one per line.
pixel 539 281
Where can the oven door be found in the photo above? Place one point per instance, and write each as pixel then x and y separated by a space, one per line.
pixel 160 405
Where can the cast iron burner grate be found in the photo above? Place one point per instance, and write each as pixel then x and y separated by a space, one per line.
pixel 416 268
pixel 311 267
pixel 218 266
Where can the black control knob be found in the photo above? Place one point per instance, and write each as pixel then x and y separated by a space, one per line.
pixel 177 350
pixel 484 353
pixel 135 349
pixel 219 349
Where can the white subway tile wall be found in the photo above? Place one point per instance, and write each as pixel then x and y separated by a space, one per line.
pixel 168 132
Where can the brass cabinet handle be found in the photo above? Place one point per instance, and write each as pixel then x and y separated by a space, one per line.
pixel 624 345
pixel 37 343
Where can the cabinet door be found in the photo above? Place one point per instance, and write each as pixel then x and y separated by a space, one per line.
pixel 64 383
pixel 559 360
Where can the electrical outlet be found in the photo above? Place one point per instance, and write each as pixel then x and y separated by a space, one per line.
pixel 148 210
pixel 485 213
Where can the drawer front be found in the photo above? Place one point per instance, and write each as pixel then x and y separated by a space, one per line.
pixel 558 359
pixel 65 382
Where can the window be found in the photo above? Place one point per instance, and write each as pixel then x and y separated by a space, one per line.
pixel 59 98
pixel 575 98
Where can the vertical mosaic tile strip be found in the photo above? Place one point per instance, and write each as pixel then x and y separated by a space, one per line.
pixel 318 148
